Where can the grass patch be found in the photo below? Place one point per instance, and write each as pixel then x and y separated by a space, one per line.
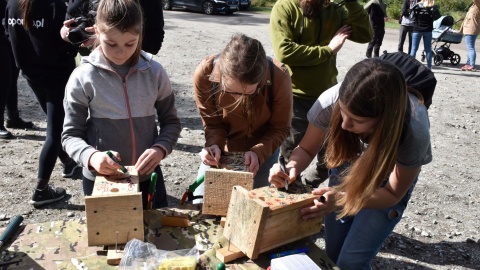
pixel 393 24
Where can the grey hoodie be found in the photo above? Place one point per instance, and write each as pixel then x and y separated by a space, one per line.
pixel 104 112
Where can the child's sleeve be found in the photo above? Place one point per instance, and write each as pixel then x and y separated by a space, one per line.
pixel 74 135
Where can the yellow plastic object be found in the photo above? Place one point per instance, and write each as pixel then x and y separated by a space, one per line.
pixel 180 263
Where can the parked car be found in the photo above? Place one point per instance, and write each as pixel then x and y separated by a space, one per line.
pixel 206 6
pixel 244 4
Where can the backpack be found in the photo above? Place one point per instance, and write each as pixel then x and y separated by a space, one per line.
pixel 417 75
pixel 269 88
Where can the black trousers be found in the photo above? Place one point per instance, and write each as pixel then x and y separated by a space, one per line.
pixel 50 90
pixel 376 43
pixel 8 84
pixel 404 31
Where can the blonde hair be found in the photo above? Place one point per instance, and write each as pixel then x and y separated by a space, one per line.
pixel 428 3
pixel 123 15
pixel 376 89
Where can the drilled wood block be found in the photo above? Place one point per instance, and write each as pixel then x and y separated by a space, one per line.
pixel 218 189
pixel 114 210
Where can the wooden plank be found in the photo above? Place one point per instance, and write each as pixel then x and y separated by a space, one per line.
pixel 114 255
pixel 116 184
pixel 175 221
pixel 218 189
pixel 229 253
pixel 287 226
pixel 245 221
pixel 114 219
pixel 222 221
pixel 278 199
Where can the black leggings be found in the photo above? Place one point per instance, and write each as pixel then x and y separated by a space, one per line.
pixel 8 85
pixel 159 200
pixel 50 92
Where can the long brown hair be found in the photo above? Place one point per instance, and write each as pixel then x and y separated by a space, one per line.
pixel 376 89
pixel 26 9
pixel 125 16
pixel 244 59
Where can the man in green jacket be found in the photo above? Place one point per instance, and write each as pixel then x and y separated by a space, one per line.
pixel 306 36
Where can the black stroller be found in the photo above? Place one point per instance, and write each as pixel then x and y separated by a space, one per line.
pixel 442 32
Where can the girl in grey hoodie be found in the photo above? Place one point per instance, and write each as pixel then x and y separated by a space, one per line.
pixel 112 99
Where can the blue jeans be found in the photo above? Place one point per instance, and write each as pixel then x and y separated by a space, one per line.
pixel 427 45
pixel 472 55
pixel 260 179
pixel 352 242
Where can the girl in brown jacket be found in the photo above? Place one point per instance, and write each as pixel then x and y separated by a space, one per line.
pixel 471 28
pixel 244 108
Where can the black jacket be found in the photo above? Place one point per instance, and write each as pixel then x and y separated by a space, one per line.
pixel 376 16
pixel 424 17
pixel 3 37
pixel 153 32
pixel 40 52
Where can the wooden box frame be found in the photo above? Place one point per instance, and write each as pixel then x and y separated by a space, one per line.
pixel 114 212
pixel 218 188
pixel 255 227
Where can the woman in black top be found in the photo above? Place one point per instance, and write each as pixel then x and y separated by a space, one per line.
pixel 424 12
pixel 377 10
pixel 46 61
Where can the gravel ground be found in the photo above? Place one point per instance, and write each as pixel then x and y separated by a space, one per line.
pixel 440 229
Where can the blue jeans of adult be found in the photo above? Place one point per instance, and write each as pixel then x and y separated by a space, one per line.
pixel 472 54
pixel 260 179
pixel 352 242
pixel 427 45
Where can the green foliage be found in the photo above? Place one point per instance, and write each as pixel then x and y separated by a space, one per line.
pixel 447 6
pixel 394 7
pixel 455 8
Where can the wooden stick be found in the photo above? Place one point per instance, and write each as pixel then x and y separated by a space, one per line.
pixel 228 254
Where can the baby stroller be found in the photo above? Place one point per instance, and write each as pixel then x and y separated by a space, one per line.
pixel 443 32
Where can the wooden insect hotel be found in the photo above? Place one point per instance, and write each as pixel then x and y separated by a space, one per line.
pixel 231 171
pixel 218 188
pixel 265 218
pixel 114 210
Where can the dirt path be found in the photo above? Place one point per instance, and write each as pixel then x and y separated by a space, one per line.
pixel 440 229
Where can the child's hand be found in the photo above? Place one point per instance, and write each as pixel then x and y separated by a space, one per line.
pixel 149 160
pixel 251 160
pixel 103 164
